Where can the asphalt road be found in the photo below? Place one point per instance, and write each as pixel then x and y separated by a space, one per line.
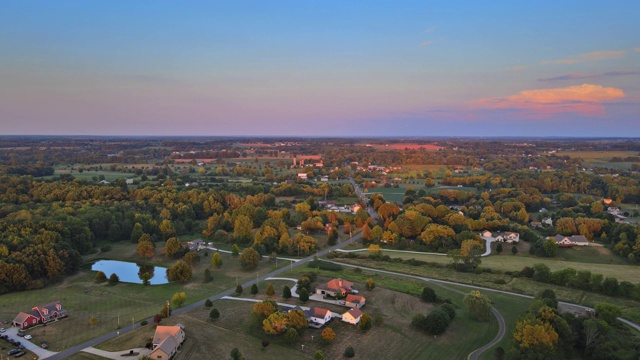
pixel 70 351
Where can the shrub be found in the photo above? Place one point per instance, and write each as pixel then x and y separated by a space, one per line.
pixel 291 335
pixel 500 281
pixel 450 309
pixel 428 295
pixel 254 289
pixel 324 265
pixel 208 303
pixel 239 289
pixel 286 292
pixel 214 314
pixel 349 352
pixel 143 322
pixel 437 322
pixel 114 279
pixel 357 270
pixel 101 277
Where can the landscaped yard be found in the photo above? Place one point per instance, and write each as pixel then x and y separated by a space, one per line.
pixel 391 337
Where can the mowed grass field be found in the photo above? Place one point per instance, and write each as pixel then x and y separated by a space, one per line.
pixel 123 303
pixel 579 258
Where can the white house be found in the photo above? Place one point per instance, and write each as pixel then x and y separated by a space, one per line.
pixel 573 240
pixel 302 176
pixel 509 237
pixel 318 316
pixel 547 221
pixel 352 316
pixel 129 181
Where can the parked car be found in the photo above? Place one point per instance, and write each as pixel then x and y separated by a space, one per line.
pixel 20 354
pixel 28 337
pixel 14 351
pixel 44 345
pixel 20 333
pixel 2 330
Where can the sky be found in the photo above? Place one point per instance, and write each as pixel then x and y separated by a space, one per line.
pixel 320 68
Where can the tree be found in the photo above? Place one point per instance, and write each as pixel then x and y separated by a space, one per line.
pixel 242 228
pixel 236 355
pixel 374 249
pixel 349 352
pixel 254 289
pixel 136 233
pixel 235 250
pixel 297 319
pixel 191 258
pixel 216 260
pixel 370 284
pixel 207 276
pixel 157 318
pixel 180 271
pixel 436 322
pixel 514 250
pixel 365 322
pixel 499 248
pixel 291 335
pixel 535 338
pixel 366 234
pixel 249 259
pixel 318 355
pixel 93 320
pixel 173 248
pixel 145 249
pixel 166 227
pixel 101 277
pixel 114 279
pixel 178 299
pixel 548 296
pixel 608 312
pixel 270 291
pixel 275 324
pixel 449 309
pixel 264 308
pixel 208 303
pixel 428 295
pixel 239 289
pixel 328 335
pixel 286 292
pixel 304 295
pixel 550 247
pixel 478 306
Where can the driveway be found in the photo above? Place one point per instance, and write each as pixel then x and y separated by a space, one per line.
pixel 117 355
pixel 12 332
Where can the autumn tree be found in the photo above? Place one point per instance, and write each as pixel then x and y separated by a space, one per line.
pixel 178 299
pixel 328 335
pixel 275 324
pixel 242 228
pixel 436 235
pixel 535 338
pixel 270 291
pixel 478 306
pixel 366 234
pixel 166 227
pixel 365 322
pixel 264 308
pixel 216 260
pixel 100 277
pixel 370 284
pixel 173 248
pixel 297 319
pixel 249 259
pixel 180 271
pixel 374 249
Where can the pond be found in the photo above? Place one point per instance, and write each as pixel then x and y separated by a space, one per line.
pixel 131 272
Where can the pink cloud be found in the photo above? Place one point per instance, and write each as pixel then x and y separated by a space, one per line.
pixel 585 99
pixel 590 56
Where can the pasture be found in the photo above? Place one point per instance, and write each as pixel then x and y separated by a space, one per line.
pixel 601 158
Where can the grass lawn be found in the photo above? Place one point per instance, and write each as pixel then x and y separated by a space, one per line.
pixel 83 298
pixel 579 258
pixel 601 158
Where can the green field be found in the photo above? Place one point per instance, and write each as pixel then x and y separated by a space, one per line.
pixel 123 303
pixel 601 158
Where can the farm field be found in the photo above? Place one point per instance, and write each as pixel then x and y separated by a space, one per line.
pixel 601 158
pixel 122 303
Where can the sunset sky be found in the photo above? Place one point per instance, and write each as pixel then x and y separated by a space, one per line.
pixel 320 68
